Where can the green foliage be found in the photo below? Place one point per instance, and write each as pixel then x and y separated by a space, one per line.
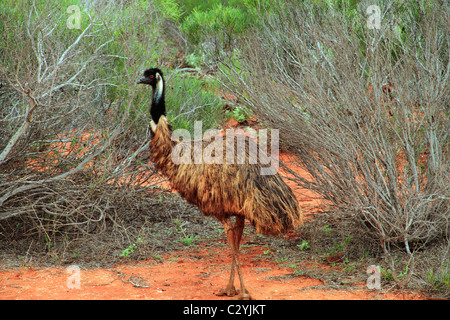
pixel 130 249
pixel 223 23
pixel 348 7
pixel 187 240
pixel 238 114
pixel 268 251
pixel 387 274
pixel 190 5
pixel 342 245
pixel 170 9
pixel 439 280
pixel 326 229
pixel 304 245
pixel 191 99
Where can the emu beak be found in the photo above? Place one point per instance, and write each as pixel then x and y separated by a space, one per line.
pixel 142 80
pixel 145 80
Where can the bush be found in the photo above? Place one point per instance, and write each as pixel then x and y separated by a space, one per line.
pixel 72 131
pixel 366 110
pixel 215 29
pixel 73 140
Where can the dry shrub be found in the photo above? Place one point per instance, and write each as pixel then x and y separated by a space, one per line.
pixel 366 110
pixel 71 136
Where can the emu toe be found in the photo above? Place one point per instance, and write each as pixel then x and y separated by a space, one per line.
pixel 244 295
pixel 228 291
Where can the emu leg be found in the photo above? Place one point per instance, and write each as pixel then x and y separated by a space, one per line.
pixel 234 234
pixel 239 229
pixel 229 290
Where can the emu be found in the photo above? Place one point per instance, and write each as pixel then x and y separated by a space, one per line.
pixel 222 190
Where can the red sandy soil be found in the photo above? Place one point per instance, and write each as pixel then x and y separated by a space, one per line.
pixel 192 274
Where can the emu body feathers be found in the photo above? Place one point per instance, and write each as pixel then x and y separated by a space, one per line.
pixel 224 190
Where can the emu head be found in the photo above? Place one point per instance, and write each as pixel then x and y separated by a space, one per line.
pixel 154 78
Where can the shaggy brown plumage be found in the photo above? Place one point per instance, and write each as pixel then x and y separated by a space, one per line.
pixel 221 190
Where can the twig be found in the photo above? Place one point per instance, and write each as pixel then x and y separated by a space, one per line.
pixel 131 279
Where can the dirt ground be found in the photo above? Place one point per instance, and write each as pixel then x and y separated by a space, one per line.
pixel 188 275
pixel 167 250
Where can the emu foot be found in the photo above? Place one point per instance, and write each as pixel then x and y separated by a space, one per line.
pixel 244 295
pixel 229 291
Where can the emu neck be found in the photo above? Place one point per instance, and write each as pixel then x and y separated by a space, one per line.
pixel 161 146
pixel 161 143
pixel 158 107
